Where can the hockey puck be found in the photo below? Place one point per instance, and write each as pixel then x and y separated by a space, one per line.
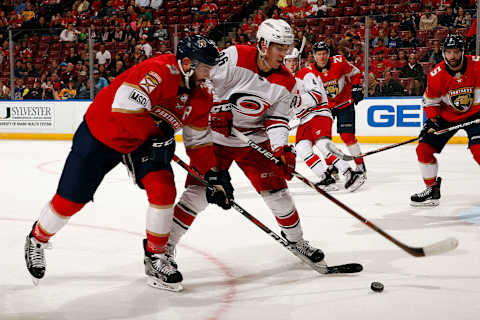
pixel 376 286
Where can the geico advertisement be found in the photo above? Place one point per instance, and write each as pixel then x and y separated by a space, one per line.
pixel 390 117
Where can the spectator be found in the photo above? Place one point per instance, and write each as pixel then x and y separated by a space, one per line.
pixel 394 40
pixel 20 70
pixel 72 56
pixel 373 86
pixel 20 89
pixel 83 91
pixel 208 7
pixel 305 10
pixel 462 20
pixel 34 93
pixel 31 71
pixel 49 92
pixel 414 70
pixel 288 12
pixel 249 25
pixel 161 33
pixel 391 87
pixel 270 8
pixel 434 55
pixel 210 23
pixel 380 64
pixel 25 52
pixel 408 21
pixel 82 6
pixel 118 35
pixel 68 92
pixel 146 47
pixel 116 71
pixel 4 91
pixel 103 56
pixel 428 20
pixel 100 82
pixel 4 52
pixel 381 36
pixel 410 40
pixel 105 34
pixel 68 73
pixel 163 48
pixel 259 17
pixel 320 9
pixel 28 15
pixel 68 34
pixel 448 18
pixel 156 4
pixel 142 3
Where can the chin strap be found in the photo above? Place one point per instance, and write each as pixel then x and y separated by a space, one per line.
pixel 188 74
pixel 262 55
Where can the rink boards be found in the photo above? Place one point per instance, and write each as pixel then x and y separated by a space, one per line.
pixel 378 120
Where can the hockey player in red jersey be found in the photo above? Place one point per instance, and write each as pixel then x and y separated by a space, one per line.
pixel 451 97
pixel 133 121
pixel 342 83
pixel 254 91
pixel 315 126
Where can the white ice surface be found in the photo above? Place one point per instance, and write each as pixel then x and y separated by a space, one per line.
pixel 232 269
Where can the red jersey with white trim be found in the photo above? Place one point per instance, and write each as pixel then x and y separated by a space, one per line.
pixel 123 115
pixel 453 96
pixel 260 102
pixel 337 77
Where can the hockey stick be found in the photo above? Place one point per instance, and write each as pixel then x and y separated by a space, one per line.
pixel 334 108
pixel 321 267
pixel 435 248
pixel 333 149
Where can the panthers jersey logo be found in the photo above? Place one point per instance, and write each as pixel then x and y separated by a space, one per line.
pixel 332 89
pixel 461 99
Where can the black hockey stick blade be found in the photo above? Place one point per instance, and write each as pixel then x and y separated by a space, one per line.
pixel 345 268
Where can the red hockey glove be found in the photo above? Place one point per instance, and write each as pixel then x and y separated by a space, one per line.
pixel 288 156
pixel 221 120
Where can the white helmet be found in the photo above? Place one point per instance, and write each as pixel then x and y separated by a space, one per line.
pixel 276 31
pixel 293 53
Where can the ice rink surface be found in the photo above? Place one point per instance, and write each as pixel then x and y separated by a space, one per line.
pixel 232 270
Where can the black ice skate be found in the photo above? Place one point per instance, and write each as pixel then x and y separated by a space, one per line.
pixel 35 257
pixel 430 197
pixel 161 270
pixel 328 181
pixel 313 254
pixel 353 179
pixel 363 169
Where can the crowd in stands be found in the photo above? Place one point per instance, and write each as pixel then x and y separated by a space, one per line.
pixel 51 51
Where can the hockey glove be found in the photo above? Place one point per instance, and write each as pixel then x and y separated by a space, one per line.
pixel 430 126
pixel 162 149
pixel 357 94
pixel 221 119
pixel 287 155
pixel 222 196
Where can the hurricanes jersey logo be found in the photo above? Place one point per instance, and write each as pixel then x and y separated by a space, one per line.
pixel 332 89
pixel 249 104
pixel 461 99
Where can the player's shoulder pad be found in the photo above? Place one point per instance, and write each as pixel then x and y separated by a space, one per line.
pixel 437 70
pixel 303 72
pixel 245 56
pixel 283 77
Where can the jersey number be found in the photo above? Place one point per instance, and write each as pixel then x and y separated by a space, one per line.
pixel 434 72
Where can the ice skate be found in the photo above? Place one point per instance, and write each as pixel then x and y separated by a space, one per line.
pixel 161 270
pixel 305 248
pixel 35 257
pixel 430 197
pixel 353 179
pixel 363 169
pixel 328 181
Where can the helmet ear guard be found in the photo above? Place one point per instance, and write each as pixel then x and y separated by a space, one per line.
pixel 199 49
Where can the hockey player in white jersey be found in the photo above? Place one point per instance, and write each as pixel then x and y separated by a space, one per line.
pixel 315 129
pixel 254 92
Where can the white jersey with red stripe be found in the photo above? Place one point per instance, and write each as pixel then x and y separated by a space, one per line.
pixel 313 98
pixel 260 103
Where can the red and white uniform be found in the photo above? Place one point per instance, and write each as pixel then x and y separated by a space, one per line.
pixel 337 77
pixel 122 114
pixel 260 104
pixel 453 97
